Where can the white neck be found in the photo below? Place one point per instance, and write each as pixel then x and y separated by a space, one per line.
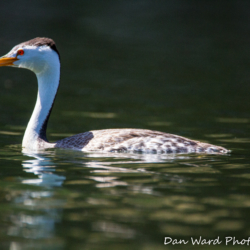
pixel 48 82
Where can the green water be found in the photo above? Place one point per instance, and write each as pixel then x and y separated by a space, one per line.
pixel 181 67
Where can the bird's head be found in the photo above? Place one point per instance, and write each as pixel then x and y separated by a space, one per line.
pixel 36 55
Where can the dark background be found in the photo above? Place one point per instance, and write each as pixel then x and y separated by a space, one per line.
pixel 180 64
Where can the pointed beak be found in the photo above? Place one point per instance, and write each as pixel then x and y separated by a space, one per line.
pixel 7 61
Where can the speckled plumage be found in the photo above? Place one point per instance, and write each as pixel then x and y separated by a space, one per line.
pixel 135 140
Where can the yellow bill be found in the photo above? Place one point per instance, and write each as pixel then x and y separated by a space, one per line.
pixel 7 61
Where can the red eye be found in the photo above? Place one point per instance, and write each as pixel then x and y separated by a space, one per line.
pixel 20 52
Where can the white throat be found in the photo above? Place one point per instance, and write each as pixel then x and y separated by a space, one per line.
pixel 48 82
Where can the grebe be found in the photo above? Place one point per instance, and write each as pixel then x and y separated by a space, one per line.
pixel 41 56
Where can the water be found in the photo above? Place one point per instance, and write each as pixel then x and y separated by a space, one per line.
pixel 176 66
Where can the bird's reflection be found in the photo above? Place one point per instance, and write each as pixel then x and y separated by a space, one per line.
pixel 39 209
pixel 141 158
pixel 44 169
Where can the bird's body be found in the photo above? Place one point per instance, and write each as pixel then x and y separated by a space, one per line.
pixel 41 56
pixel 135 140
